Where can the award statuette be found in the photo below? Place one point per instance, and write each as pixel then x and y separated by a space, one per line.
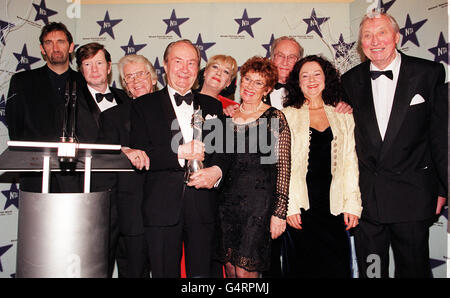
pixel 196 124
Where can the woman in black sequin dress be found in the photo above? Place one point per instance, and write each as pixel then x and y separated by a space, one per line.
pixel 253 208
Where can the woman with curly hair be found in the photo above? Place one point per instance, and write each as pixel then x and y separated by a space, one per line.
pixel 253 208
pixel 325 200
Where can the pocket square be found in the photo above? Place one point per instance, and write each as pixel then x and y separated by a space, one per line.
pixel 208 117
pixel 417 99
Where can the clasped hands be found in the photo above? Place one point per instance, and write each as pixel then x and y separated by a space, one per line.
pixel 350 221
pixel 203 178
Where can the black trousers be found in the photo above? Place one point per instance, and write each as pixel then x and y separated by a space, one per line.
pixel 409 241
pixel 132 257
pixel 165 244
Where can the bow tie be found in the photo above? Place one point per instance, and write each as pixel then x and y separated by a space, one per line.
pixel 188 98
pixel 279 85
pixel 99 97
pixel 376 74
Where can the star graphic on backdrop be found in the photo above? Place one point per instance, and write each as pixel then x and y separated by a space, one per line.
pixel 43 13
pixel 159 72
pixel 203 46
pixel 4 28
pixel 314 23
pixel 107 25
pixel 245 23
pixel 3 249
pixel 385 6
pixel 440 51
pixel 342 48
pixel 2 110
pixel 132 48
pixel 436 263
pixel 410 30
pixel 267 45
pixel 12 196
pixel 24 60
pixel 173 24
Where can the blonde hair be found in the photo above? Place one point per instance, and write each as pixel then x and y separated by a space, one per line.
pixel 224 59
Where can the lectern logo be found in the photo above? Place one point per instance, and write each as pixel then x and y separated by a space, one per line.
pixel 12 196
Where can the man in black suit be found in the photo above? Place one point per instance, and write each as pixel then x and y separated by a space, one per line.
pixel 175 213
pixel 401 142
pixel 139 77
pixel 94 63
pixel 35 105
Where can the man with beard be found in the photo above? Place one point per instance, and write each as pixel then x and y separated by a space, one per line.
pixel 35 106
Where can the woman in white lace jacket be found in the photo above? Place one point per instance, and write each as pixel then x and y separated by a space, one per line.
pixel 325 200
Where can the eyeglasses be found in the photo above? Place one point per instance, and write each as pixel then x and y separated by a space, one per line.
pixel 257 84
pixel 140 75
pixel 291 59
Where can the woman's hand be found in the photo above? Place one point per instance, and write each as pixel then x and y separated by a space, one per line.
pixel 295 221
pixel 277 226
pixel 350 220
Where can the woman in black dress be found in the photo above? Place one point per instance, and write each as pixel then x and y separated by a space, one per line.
pixel 253 208
pixel 325 200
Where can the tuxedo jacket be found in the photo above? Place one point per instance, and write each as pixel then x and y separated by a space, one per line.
pixel 128 187
pixel 153 130
pixel 402 175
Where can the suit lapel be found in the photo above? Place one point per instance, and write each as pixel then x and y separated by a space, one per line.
pixel 169 113
pixel 400 105
pixel 367 108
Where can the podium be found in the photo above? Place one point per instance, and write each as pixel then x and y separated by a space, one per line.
pixel 63 234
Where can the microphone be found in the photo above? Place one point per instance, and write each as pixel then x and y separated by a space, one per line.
pixel 72 135
pixel 68 148
pixel 65 113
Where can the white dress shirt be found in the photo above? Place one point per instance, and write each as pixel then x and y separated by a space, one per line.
pixel 383 91
pixel 277 98
pixel 104 104
pixel 184 116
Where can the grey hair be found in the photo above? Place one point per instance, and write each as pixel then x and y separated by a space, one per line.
pixel 279 39
pixel 136 59
pixel 377 13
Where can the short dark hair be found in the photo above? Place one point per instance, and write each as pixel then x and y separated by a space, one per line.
pixel 89 50
pixel 331 95
pixel 262 66
pixel 54 26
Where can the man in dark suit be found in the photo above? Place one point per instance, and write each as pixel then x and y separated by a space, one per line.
pixel 35 105
pixel 401 142
pixel 175 213
pixel 94 63
pixel 139 77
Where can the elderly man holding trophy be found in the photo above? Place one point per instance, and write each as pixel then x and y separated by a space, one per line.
pixel 179 204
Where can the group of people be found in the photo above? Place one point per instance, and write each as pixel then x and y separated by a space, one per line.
pixel 304 156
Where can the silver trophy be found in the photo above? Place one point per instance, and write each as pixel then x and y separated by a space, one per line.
pixel 196 123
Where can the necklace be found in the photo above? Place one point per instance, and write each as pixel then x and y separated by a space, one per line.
pixel 313 109
pixel 241 108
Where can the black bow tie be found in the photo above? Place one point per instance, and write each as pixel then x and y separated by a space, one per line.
pixel 188 98
pixel 99 97
pixel 376 74
pixel 279 85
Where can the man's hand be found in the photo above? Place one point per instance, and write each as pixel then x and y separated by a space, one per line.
pixel 440 203
pixel 344 108
pixel 277 226
pixel 295 221
pixel 138 158
pixel 205 178
pixel 192 150
pixel 231 110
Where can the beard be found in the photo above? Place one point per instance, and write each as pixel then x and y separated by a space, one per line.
pixel 57 58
